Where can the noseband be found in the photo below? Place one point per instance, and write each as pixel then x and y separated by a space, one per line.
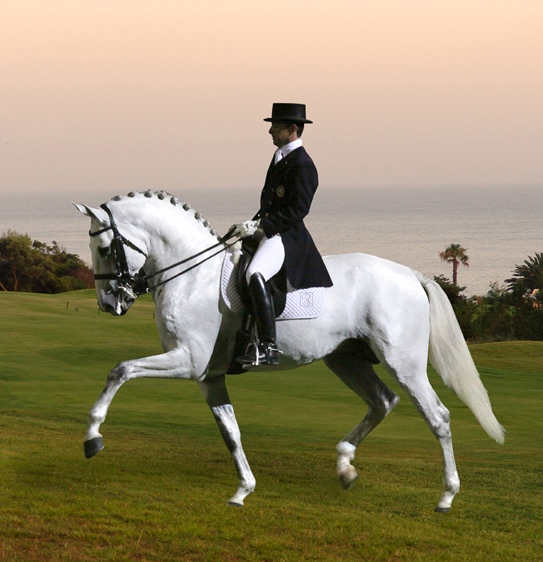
pixel 137 285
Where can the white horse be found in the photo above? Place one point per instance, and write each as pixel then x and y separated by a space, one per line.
pixel 402 315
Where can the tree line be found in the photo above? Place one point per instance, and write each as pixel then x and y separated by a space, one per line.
pixel 512 311
pixel 31 266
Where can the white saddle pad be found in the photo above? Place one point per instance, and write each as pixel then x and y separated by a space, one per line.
pixel 301 303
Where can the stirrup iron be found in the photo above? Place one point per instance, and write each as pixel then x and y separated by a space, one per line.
pixel 260 353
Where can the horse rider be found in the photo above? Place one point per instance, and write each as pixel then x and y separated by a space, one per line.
pixel 284 243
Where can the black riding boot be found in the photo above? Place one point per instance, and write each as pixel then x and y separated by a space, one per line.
pixel 264 315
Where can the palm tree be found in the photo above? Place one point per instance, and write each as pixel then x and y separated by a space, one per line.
pixel 530 273
pixel 455 254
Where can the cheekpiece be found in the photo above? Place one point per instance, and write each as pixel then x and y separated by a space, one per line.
pixel 294 112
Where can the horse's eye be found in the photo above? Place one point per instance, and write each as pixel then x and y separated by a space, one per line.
pixel 104 251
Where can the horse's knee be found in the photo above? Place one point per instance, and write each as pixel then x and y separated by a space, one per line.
pixel 119 374
pixel 228 426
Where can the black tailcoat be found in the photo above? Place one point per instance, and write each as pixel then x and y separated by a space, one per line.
pixel 285 201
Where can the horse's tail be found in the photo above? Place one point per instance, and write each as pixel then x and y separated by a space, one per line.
pixel 450 357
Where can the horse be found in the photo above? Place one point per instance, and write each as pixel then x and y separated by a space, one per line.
pixel 400 314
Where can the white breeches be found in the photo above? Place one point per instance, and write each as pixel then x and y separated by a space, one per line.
pixel 268 258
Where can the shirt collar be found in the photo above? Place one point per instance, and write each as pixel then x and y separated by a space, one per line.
pixel 284 150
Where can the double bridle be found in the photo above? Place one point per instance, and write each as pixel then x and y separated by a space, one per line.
pixel 137 285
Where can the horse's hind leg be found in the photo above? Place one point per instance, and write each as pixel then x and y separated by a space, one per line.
pixel 358 374
pixel 413 379
pixel 216 395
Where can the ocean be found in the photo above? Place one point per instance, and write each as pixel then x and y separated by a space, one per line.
pixel 499 226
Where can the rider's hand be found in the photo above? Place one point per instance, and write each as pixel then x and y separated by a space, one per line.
pixel 247 228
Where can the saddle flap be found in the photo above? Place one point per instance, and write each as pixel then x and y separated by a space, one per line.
pixel 299 303
pixel 279 297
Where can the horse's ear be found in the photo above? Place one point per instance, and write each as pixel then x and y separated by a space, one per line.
pixel 98 214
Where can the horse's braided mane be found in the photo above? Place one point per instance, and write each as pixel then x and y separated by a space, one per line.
pixel 165 196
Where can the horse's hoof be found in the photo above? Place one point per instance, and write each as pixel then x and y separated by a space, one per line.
pixel 348 477
pixel 442 509
pixel 346 484
pixel 234 504
pixel 93 446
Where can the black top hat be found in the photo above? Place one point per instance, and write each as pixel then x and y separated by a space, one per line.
pixel 294 112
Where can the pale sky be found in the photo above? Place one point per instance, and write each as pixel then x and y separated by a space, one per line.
pixel 116 95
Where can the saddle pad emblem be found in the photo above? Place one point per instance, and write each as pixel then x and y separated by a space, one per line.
pixel 301 303
pixel 306 300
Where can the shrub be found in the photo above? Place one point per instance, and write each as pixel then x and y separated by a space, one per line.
pixel 35 267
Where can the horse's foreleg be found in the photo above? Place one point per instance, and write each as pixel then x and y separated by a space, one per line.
pixel 358 374
pixel 174 364
pixel 94 442
pixel 216 395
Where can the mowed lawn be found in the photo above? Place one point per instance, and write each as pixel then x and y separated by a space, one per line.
pixel 158 490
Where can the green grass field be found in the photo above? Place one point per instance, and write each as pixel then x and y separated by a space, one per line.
pixel 158 490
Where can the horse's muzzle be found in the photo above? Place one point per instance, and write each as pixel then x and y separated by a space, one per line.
pixel 116 303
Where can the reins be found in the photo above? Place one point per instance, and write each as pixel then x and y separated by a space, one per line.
pixel 139 282
pixel 222 240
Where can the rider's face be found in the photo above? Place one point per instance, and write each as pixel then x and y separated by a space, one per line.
pixel 282 134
